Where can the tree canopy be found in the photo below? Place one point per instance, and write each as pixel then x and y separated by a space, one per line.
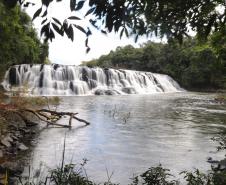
pixel 171 18
pixel 19 40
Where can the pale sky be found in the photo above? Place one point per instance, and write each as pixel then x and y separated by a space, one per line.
pixel 63 51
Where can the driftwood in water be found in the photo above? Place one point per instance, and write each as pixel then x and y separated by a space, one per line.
pixel 48 116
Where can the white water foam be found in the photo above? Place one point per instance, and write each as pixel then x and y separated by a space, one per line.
pixel 80 80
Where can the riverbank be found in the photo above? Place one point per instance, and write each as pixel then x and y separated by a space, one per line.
pixel 17 137
pixel 16 142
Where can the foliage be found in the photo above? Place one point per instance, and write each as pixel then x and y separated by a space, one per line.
pixel 68 175
pixel 72 174
pixel 219 177
pixel 197 177
pixel 19 41
pixel 193 65
pixel 172 18
pixel 221 139
pixel 154 176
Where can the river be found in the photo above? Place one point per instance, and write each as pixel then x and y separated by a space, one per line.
pixel 130 133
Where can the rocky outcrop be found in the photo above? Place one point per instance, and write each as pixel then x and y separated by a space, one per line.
pixel 105 92
pixel 13 76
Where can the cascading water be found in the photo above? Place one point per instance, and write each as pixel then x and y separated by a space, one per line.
pixel 80 80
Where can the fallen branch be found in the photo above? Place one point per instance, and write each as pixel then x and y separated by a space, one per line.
pixel 82 120
pixel 48 116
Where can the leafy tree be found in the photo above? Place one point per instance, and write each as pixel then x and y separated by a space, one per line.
pixel 19 41
pixel 172 18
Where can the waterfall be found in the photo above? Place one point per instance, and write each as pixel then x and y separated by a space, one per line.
pixel 58 79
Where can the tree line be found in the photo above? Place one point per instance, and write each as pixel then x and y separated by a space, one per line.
pixel 193 64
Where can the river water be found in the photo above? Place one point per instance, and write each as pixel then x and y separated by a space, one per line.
pixel 130 133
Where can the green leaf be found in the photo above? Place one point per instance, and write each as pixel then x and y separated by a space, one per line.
pixel 45 29
pixel 44 21
pixel 86 42
pixel 79 5
pixel 65 25
pixel 57 21
pixel 80 28
pixel 104 32
pixel 121 33
pixel 51 35
pixel 74 18
pixel 37 13
pixel 45 13
pixel 70 32
pixel 88 33
pixel 72 4
pixel 88 50
pixel 57 29
pixel 136 38
pixel 46 2
pixel 90 11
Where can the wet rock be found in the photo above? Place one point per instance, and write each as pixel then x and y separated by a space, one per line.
pixel 22 147
pixel 99 92
pixel 13 76
pixel 1 88
pixel 94 75
pixel 12 127
pixel 31 124
pixel 105 92
pixel 106 71
pixel 41 67
pixel 71 85
pixel 211 161
pixel 222 165
pixel 13 168
pixel 92 84
pixel 110 92
pixel 74 88
pixel 2 179
pixel 9 138
pixel 5 142
pixel 129 90
pixel 41 78
pixel 13 181
pixel 14 138
pixel 24 131
pixel 85 76
pixel 55 66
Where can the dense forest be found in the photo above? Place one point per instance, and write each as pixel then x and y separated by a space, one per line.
pixel 195 65
pixel 19 40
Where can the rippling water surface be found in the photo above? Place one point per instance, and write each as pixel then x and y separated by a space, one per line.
pixel 128 134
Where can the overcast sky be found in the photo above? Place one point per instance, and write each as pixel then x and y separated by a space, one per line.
pixel 64 51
